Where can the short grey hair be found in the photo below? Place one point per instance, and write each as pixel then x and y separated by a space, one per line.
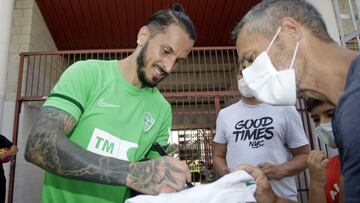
pixel 265 18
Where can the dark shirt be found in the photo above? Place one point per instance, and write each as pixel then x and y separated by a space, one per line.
pixel 346 128
pixel 4 143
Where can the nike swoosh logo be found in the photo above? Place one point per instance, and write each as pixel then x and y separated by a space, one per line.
pixel 101 103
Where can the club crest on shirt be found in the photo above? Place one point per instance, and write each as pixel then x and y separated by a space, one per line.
pixel 148 121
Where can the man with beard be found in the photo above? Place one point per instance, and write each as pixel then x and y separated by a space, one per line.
pixel 283 46
pixel 102 117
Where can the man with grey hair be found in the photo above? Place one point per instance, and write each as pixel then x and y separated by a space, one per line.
pixel 284 47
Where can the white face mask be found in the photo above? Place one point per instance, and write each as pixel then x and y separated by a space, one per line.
pixel 325 134
pixel 269 85
pixel 244 89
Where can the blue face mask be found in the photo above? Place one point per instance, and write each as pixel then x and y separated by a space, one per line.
pixel 325 134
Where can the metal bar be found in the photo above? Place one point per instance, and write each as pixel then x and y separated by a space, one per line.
pixel 38 78
pixel 206 75
pixel 230 75
pixel 311 137
pixel 68 62
pixel 353 20
pixel 306 183
pixel 319 144
pixel 351 36
pixel 326 151
pixel 303 190
pixel 27 75
pixel 16 128
pixel 60 68
pixel 177 81
pixel 193 63
pixel 113 50
pixel 184 131
pixel 218 69
pixel 202 137
pixel 212 72
pixel 32 80
pixel 196 135
pixel 32 98
pixel 183 75
pixel 188 74
pixel 339 22
pixel 43 92
pixel 50 78
pixel 234 69
pixel 199 67
pixel 223 67
pixel 299 182
pixel 217 105
pixel 202 94
pixel 357 3
pixel 15 137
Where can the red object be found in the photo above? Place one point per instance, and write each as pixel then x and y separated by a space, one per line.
pixel 72 23
pixel 7 159
pixel 332 187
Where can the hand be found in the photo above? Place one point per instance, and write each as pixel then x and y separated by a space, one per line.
pixel 272 171
pixel 225 171
pixel 164 174
pixel 4 155
pixel 264 192
pixel 317 163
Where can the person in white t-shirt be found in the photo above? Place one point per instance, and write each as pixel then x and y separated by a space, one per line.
pixel 269 137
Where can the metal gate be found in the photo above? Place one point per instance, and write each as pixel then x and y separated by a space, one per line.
pixel 347 17
pixel 196 90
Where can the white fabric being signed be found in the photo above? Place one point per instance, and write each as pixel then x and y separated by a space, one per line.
pixel 235 187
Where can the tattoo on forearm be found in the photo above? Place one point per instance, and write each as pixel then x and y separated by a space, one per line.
pixel 146 174
pixel 49 148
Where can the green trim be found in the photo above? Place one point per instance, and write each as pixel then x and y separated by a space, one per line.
pixel 69 99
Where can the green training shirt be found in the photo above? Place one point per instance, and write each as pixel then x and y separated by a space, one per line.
pixel 114 119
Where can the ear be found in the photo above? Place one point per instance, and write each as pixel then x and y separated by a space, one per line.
pixel 292 28
pixel 143 35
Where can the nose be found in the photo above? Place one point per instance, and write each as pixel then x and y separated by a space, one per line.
pixel 169 63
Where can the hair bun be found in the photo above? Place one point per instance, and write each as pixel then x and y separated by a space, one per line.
pixel 178 8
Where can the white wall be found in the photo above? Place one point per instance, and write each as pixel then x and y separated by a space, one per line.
pixel 326 9
pixel 28 33
pixel 6 9
pixel 28 177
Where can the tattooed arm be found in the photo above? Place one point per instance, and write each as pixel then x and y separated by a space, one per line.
pixel 49 148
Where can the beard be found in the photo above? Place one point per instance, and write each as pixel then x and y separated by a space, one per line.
pixel 141 65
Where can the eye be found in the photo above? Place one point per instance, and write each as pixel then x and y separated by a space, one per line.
pixel 166 51
pixel 245 63
pixel 330 114
pixel 179 61
pixel 316 120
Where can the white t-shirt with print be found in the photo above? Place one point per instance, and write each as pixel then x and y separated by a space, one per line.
pixel 261 133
